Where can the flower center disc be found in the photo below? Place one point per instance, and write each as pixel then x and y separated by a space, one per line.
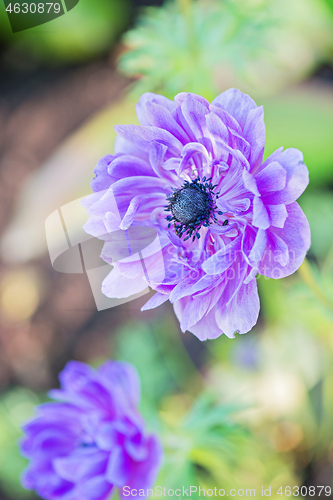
pixel 189 204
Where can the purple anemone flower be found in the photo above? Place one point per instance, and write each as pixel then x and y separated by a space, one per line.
pixel 194 172
pixel 93 440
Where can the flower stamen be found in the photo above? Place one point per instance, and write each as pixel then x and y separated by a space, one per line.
pixel 192 206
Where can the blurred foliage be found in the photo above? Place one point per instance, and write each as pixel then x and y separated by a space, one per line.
pixel 206 46
pixel 303 119
pixel 204 446
pixel 207 448
pixel 318 208
pixel 16 406
pixel 86 31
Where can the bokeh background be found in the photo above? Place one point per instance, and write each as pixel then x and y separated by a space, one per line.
pixel 244 413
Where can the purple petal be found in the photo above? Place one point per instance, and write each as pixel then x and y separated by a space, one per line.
pixel 260 214
pixel 132 210
pixel 144 474
pixel 144 136
pixel 226 118
pixel 102 178
pixel 277 214
pixel 236 104
pixel 222 259
pixel 271 178
pixel 241 314
pixel 195 112
pixel 96 488
pixel 124 146
pixel 119 467
pixel 136 447
pixel 123 374
pixel 194 310
pixel 147 98
pixel 206 328
pixel 83 463
pixel 297 178
pixel 128 166
pixel 250 183
pixel 253 245
pixel 255 134
pixel 295 236
pixel 161 117
pixel 75 375
pixel 117 286
pixel 184 96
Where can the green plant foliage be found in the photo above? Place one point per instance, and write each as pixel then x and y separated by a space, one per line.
pixel 303 118
pixel 318 208
pixel 206 46
pixel 207 448
pixel 87 30
pixel 174 48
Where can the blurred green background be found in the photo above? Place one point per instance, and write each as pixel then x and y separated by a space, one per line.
pixel 252 412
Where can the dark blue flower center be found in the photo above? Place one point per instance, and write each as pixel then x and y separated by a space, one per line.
pixel 192 206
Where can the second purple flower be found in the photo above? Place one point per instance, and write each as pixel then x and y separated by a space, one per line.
pixel 194 172
pixel 93 440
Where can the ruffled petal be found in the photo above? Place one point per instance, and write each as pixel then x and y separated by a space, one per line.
pixel 102 179
pixel 206 328
pixel 255 133
pixel 272 178
pixel 144 473
pixel 260 214
pixel 116 286
pixel 148 98
pixel 241 314
pixel 297 178
pixel 236 104
pixel 294 238
pixel 144 136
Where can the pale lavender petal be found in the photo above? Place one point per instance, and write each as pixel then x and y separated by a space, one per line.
pixel 117 286
pixel 118 470
pixel 255 134
pixel 195 112
pixel 272 178
pixel 250 183
pixel 296 237
pixel 222 259
pixel 147 98
pixel 144 473
pixel 144 136
pixel 205 329
pixel 127 166
pixel 297 178
pixel 277 214
pixel 102 179
pixel 226 118
pixel 241 314
pixel 260 214
pixel 236 104
pixel 159 116
pixel 96 488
